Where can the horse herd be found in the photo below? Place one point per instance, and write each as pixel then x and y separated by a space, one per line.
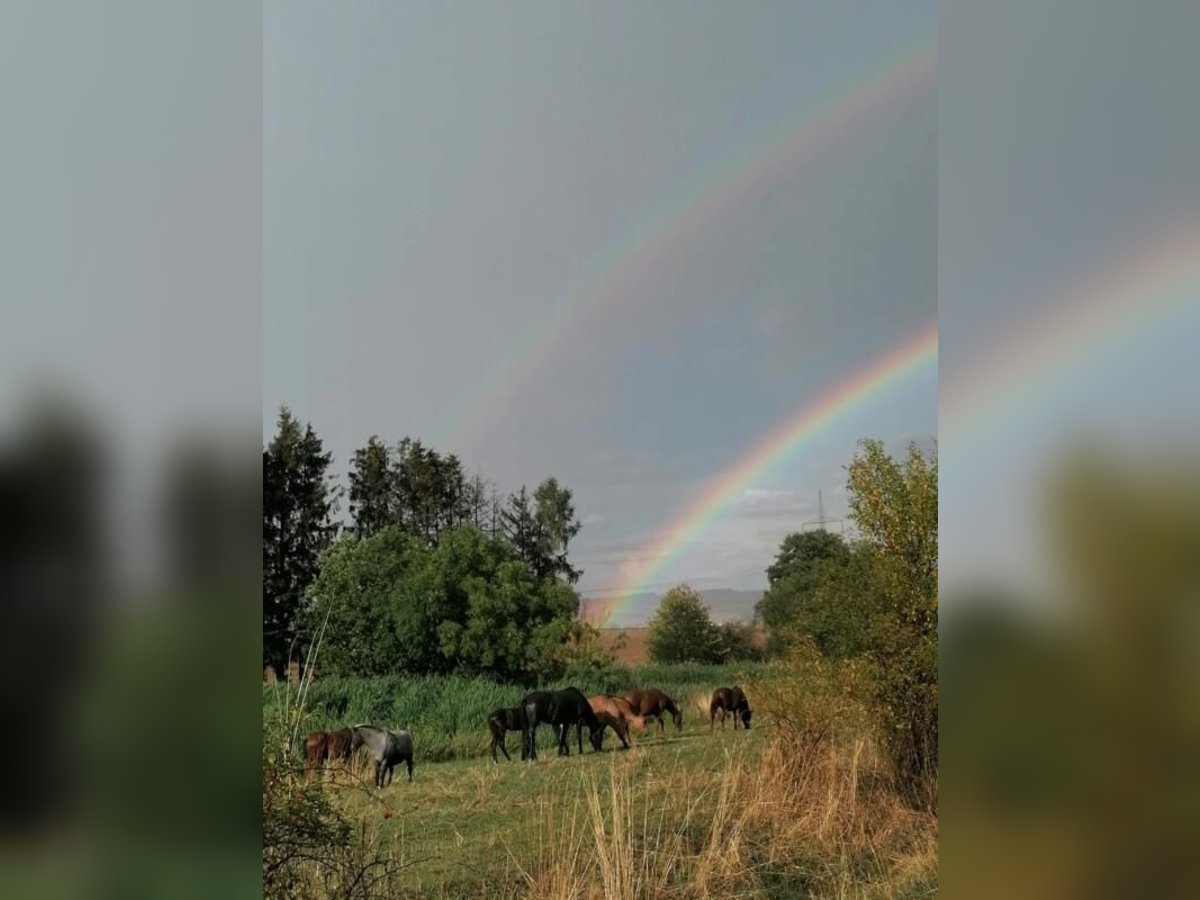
pixel 559 709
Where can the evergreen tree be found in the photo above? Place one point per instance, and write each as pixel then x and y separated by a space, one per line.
pixel 557 525
pixel 297 525
pixel 371 494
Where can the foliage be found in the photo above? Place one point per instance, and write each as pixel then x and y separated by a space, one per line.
pixel 894 504
pixel 681 629
pixel 557 526
pixel 372 504
pixel 392 603
pixel 840 611
pixel 738 642
pixel 297 506
pixel 541 529
pixel 799 567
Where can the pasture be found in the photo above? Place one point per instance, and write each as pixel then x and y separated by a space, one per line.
pixel 471 828
pixel 447 714
pixel 687 814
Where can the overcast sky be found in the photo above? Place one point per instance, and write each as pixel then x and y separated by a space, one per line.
pixel 438 177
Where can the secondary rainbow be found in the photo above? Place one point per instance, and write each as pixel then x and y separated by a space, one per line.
pixel 784 442
pixel 612 275
pixel 1140 288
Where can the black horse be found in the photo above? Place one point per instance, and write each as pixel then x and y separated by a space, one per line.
pixel 560 710
pixel 502 721
pixel 727 701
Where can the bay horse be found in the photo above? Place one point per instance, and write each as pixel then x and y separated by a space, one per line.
pixel 653 702
pixel 328 745
pixel 560 710
pixel 616 713
pixel 729 701
pixel 502 721
pixel 386 747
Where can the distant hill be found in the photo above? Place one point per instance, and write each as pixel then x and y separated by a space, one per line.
pixel 724 605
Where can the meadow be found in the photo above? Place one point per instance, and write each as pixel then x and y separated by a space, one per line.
pixel 778 811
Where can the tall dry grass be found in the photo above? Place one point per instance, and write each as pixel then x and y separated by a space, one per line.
pixel 817 813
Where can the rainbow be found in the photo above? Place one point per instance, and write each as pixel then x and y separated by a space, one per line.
pixel 784 441
pixel 1090 314
pixel 612 275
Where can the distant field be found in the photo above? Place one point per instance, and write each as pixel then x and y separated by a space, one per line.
pixel 633 653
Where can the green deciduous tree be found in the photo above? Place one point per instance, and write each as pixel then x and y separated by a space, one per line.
pixel 681 629
pixel 798 568
pixel 894 504
pixel 393 603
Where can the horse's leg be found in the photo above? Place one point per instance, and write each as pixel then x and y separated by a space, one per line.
pixel 379 773
pixel 408 760
pixel 623 734
pixel 503 750
pixel 579 735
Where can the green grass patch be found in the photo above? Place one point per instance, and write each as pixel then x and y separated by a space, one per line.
pixel 447 714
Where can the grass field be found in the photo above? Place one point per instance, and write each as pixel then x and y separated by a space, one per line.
pixel 447 715
pixel 763 814
pixel 471 828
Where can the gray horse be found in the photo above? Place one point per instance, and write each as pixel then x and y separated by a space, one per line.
pixel 386 748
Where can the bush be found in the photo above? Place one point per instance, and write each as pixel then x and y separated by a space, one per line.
pixel 894 505
pixel 738 642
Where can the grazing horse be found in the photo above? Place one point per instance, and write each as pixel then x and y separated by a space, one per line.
pixel 616 713
pixel 332 745
pixel 386 748
pixel 500 722
pixel 559 709
pixel 729 701
pixel 316 748
pixel 653 702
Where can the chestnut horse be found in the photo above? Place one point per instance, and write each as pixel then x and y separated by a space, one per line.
pixel 617 714
pixel 728 701
pixel 327 745
pixel 653 702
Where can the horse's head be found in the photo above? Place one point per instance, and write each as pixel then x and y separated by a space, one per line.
pixel 677 716
pixel 639 722
pixel 746 716
pixel 596 736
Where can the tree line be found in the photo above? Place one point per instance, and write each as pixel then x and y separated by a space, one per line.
pixel 871 601
pixel 434 572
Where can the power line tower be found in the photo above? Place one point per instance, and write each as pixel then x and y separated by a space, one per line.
pixel 822 520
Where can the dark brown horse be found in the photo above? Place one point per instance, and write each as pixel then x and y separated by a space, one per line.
pixel 617 713
pixel 653 702
pixel 502 721
pixel 729 701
